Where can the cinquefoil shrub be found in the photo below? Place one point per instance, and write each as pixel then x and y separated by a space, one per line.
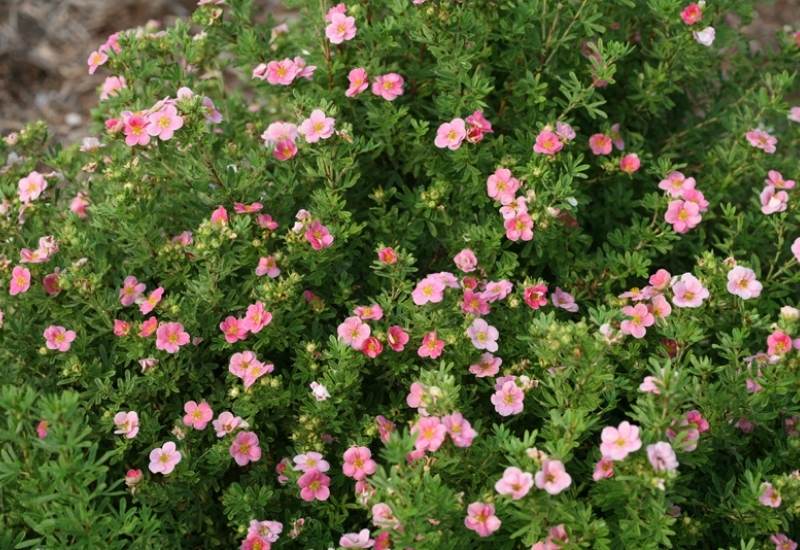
pixel 431 275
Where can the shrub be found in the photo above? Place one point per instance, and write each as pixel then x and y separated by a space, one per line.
pixel 463 274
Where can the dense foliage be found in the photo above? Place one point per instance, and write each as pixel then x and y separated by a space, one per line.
pixel 491 273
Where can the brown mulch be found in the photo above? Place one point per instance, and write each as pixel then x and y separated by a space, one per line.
pixel 44 45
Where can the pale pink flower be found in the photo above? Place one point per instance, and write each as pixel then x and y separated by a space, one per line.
pixel 742 282
pixel 431 346
pixel 383 517
pixel 683 215
pixel 164 459
pixel 281 72
pixel 509 399
pixel 96 59
pixel 20 280
pixel 687 291
pixel 489 365
pixel 676 183
pixel 353 332
pixel 319 391
pixel 269 530
pixel 268 266
pixel 517 206
pixel 782 542
pixel 547 143
pixel 318 236
pixel 79 205
pixel 430 433
pixel 600 144
pixel 515 483
pixel 796 249
pixel 564 300
pixel 777 180
pixel 314 486
pixel 552 477
pixel 310 461
pixel 481 519
pixel 661 456
pixel 762 140
pixel 466 260
pixel 603 469
pixel 278 132
pixel 372 312
pixel 197 416
pixel 58 338
pixel 650 384
pixel 164 122
pixel 111 86
pixel 170 337
pixel 303 70
pixel 316 127
pixel 794 114
pixel 358 463
pixel 134 126
pixel 705 37
pixel 430 289
pixel 357 540
pixel 619 442
pixel 256 318
pixel 616 136
pixel 520 227
pixel 502 186
pixel 244 448
pixel 769 496
pixel 31 187
pixel 630 163
pixel 565 132
pixel 772 200
pixel 389 86
pixel 127 424
pixel 451 134
pixel 131 291
pixel 358 81
pixel 692 13
pixel 397 338
pixel 659 307
pixel 459 429
pixel 233 329
pixel 226 423
pixel 340 28
pixel 153 299
pixel 640 319
pixel 483 335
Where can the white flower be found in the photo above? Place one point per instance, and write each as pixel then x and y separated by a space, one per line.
pixel 319 391
pixel 706 36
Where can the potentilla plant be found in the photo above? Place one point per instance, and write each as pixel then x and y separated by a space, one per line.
pixel 410 274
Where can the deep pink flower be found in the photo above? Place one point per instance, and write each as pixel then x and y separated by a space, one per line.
pixel 121 328
pixel 359 81
pixel 475 303
pixel 134 126
pixel 372 312
pixel 397 338
pixel 692 13
pixel 79 205
pixel 388 86
pixel 244 448
pixel 219 216
pixel 520 227
pixel 256 318
pixel 536 296
pixel 170 337
pixel 478 126
pixel 431 346
pixel 197 416
pixel 387 255
pixel 58 338
pixel 547 143
pixel 552 477
pixel 683 215
pixel 164 459
pixel 481 519
pixel 279 73
pixel 619 442
pixel 451 134
pixel 600 144
pixel 515 483
pixel 779 343
pixel 358 463
pixel 372 347
pixel 41 429
pixel 233 329
pixel 630 163
pixel 660 280
pixel 245 365
pixel 314 486
pixel 96 59
pixel 318 236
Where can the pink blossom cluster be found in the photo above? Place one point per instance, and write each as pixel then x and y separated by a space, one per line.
pixel 450 135
pixel 284 71
pixel 774 197
pixel 688 204
pixel 99 57
pixel 550 141
pixel 254 320
pixel 502 186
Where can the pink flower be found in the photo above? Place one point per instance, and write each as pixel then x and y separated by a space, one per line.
pixel 688 291
pixel 197 416
pixel 163 460
pixel 233 329
pixel 705 37
pixel 769 496
pixel 357 540
pixel 794 114
pixel 676 183
pixel 353 332
pixel 270 530
pixel 41 429
pixel 314 486
pixel 316 127
pixel 431 346
pixel 509 399
pixel 536 296
pixel 430 433
pixel 164 122
pixel 515 483
pixel 430 289
pixel 31 187
pixel 600 144
pixel 310 461
pixel 341 28
pixel 742 282
pixel 762 140
pixel 58 338
pixel 650 384
pixel 604 469
pixel 481 519
pixel 630 163
pixel 358 81
pixel 519 227
pixel 219 216
pixel 389 86
pixel 121 328
pixel 134 126
pixel 358 463
pixel 131 291
pixel 226 423
pixel 79 205
pixel 483 335
pixel 244 448
pixel 415 395
pixel 385 427
pixel 148 304
pixel 387 255
pixel 318 236
pixel 617 443
pixel 246 366
pixel 265 221
pixel 692 13
pixel 564 300
pixel 397 338
pixel 133 477
pixel 451 134
pixel 474 303
pixel 303 70
pixel 372 312
pixel 778 343
pixel 640 319
pixel 256 318
pixel 796 249
pixel 127 424
pixel 111 86
pixel 170 337
pixel 268 266
pixel 148 327
pixel 773 201
pixel 489 365
pixel 278 132
pixel 279 73
pixel 466 260
pixel 459 429
pixel 776 179
pixel 683 215
pixel 502 186
pixel 372 347
pixel 96 59
pixel 552 477
pixel 478 126
pixel 660 280
pixel 661 456
pixel 20 280
pixel 782 542
pixel 547 143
